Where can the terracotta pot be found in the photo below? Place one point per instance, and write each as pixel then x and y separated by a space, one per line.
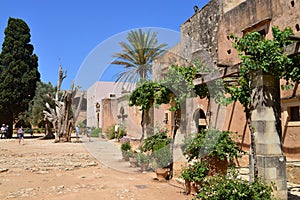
pixel 216 165
pixel 144 166
pixel 162 173
pixel 187 185
pixel 191 187
pixel 133 162
pixel 125 156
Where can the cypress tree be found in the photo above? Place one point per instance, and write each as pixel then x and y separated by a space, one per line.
pixel 18 72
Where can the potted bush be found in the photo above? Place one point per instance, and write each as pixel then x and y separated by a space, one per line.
pixel 159 147
pixel 193 176
pixel 133 158
pixel 230 186
pixel 143 160
pixel 125 148
pixel 213 147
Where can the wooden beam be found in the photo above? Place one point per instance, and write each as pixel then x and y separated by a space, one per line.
pixel 223 73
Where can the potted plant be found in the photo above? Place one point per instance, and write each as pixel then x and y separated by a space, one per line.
pixel 125 148
pixel 133 158
pixel 213 147
pixel 159 147
pixel 143 160
pixel 193 175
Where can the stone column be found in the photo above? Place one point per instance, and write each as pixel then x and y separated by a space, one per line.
pixel 266 122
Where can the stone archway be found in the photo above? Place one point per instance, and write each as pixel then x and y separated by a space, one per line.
pixel 200 120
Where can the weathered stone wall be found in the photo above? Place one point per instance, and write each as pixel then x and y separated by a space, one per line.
pixel 206 35
pixel 200 32
pixel 130 117
pixel 108 110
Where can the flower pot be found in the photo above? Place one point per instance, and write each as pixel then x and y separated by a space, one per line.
pixel 133 162
pixel 144 166
pixel 187 185
pixel 191 187
pixel 162 173
pixel 216 165
pixel 125 155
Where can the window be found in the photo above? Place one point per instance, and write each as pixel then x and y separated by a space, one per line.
pixel 295 113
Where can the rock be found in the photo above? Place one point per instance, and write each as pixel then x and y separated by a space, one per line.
pixel 91 164
pixel 68 169
pixel 3 170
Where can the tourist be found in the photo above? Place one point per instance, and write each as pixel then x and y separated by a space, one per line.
pixel 3 131
pixel 116 130
pixel 89 133
pixel 21 135
pixel 77 130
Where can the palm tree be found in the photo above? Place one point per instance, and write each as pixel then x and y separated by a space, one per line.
pixel 137 56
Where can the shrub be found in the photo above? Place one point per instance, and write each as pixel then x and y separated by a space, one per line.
pixel 142 157
pixel 110 133
pixel 125 146
pixel 195 172
pixel 159 146
pixel 230 187
pixel 96 132
pixel 121 131
pixel 212 143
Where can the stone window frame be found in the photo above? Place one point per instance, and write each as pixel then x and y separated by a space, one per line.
pixel 261 26
pixel 286 113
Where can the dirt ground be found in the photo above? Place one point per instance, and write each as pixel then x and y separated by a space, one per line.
pixel 41 169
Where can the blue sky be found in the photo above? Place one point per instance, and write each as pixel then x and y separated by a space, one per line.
pixel 79 34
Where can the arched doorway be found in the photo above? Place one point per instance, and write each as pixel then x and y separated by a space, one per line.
pixel 200 120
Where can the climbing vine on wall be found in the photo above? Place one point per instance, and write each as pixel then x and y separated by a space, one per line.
pixel 177 83
pixel 267 56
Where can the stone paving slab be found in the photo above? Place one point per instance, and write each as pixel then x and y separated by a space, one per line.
pixel 108 153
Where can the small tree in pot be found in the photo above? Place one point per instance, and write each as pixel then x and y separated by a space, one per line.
pixel 159 147
pixel 125 148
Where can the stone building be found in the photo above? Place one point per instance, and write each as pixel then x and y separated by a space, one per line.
pixel 205 36
pixel 107 105
pixel 98 91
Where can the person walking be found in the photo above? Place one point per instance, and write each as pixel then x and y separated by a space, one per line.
pixel 77 130
pixel 3 131
pixel 21 135
pixel 89 133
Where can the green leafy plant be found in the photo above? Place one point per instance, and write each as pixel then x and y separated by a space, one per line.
pixel 212 143
pixel 121 132
pixel 267 57
pixel 195 172
pixel 149 93
pixel 110 132
pixel 125 146
pixel 142 157
pixel 96 132
pixel 159 147
pixel 230 187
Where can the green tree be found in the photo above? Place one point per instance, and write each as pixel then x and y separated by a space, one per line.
pixel 18 71
pixel 38 103
pixel 259 54
pixel 137 56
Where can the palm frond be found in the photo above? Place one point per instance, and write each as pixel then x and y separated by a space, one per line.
pixel 137 55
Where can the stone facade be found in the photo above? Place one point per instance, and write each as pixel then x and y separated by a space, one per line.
pixel 206 36
pixel 98 91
